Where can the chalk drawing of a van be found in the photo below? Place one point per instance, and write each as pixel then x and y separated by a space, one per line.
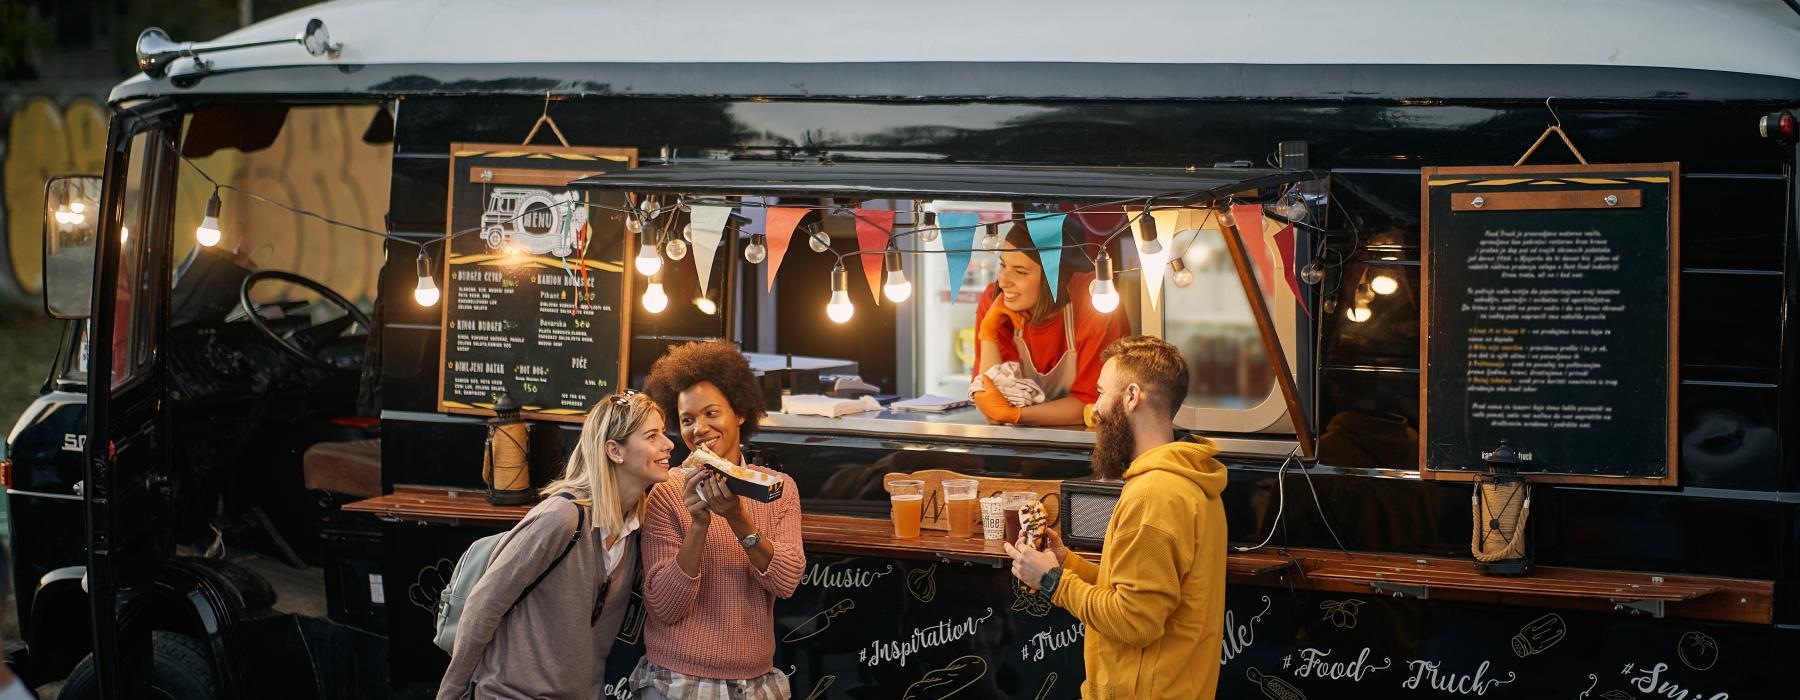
pixel 533 221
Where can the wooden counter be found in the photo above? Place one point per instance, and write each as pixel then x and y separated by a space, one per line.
pixel 1442 578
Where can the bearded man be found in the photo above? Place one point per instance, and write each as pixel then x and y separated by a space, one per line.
pixel 1155 604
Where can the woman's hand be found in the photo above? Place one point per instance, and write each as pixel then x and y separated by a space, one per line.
pixel 695 501
pixel 994 405
pixel 994 325
pixel 719 497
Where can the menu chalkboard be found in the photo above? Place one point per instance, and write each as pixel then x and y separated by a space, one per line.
pixel 1550 311
pixel 533 279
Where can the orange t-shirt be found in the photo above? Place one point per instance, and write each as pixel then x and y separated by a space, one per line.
pixel 1093 332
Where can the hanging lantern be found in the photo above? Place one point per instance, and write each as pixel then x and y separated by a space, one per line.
pixel 1502 504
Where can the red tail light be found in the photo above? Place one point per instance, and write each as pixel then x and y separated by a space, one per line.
pixel 6 466
pixel 1779 126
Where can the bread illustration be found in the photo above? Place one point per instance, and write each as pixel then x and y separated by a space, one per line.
pixel 922 584
pixel 949 680
pixel 1274 688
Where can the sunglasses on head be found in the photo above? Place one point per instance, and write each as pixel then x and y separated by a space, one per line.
pixel 623 398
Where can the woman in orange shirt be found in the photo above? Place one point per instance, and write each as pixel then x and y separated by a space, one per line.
pixel 1056 340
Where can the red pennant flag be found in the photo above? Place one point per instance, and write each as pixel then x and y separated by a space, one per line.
pixel 873 226
pixel 1249 218
pixel 1284 244
pixel 778 232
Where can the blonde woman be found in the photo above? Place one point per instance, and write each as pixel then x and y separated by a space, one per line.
pixel 551 640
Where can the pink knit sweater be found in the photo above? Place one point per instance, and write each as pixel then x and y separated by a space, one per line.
pixel 720 624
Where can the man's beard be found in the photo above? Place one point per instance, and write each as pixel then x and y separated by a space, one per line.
pixel 1114 444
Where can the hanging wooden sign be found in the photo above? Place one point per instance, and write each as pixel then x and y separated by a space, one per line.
pixel 1550 309
pixel 533 281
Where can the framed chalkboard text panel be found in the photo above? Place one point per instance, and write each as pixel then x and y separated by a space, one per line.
pixel 534 280
pixel 1550 308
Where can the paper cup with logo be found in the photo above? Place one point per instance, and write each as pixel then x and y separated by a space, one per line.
pixel 993 518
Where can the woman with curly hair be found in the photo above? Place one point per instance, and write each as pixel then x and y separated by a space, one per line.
pixel 714 563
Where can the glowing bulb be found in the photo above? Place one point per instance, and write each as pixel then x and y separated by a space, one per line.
pixel 1357 314
pixel 687 232
pixel 928 230
pixel 676 248
pixel 839 309
pixel 1102 293
pixel 1147 243
pixel 655 300
pixel 1384 285
pixel 756 252
pixel 207 233
pixel 61 214
pixel 1183 276
pixel 77 207
pixel 124 235
pixel 897 289
pixel 427 292
pixel 634 224
pixel 648 262
pixel 819 241
pixel 706 305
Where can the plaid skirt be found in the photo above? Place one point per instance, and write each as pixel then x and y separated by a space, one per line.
pixel 652 682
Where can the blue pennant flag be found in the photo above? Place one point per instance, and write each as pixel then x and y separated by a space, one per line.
pixel 958 232
pixel 1047 237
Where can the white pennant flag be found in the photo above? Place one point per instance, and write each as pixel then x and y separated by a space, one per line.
pixel 1156 264
pixel 707 223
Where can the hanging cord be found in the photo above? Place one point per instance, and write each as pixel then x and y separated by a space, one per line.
pixel 1280 501
pixel 1321 507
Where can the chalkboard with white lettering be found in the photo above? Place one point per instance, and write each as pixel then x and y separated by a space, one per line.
pixel 1549 310
pixel 532 279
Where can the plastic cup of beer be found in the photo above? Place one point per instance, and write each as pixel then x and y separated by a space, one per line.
pixel 908 499
pixel 959 506
pixel 1011 502
pixel 993 518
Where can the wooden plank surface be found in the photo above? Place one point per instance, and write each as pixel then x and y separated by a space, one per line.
pixel 1049 493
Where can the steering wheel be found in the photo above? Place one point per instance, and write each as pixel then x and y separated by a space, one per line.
pixel 304 343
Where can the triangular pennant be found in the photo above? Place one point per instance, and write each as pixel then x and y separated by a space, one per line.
pixel 958 234
pixel 779 231
pixel 1284 244
pixel 1249 218
pixel 707 224
pixel 1168 221
pixel 1047 236
pixel 873 226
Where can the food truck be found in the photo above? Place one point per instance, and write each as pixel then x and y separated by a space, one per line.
pixel 1486 306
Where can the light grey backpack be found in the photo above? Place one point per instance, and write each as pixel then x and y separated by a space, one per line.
pixel 469 569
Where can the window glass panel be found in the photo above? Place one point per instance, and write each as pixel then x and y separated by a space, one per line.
pixel 127 324
pixel 1212 323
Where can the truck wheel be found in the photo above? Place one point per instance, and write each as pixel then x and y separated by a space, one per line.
pixel 178 669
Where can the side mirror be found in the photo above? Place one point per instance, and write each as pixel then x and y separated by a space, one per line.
pixel 71 222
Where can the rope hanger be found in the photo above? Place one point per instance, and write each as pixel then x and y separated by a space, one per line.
pixel 544 118
pixel 1552 129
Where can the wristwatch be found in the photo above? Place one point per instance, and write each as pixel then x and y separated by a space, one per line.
pixel 1047 584
pixel 749 541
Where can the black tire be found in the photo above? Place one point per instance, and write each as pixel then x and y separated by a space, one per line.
pixel 179 670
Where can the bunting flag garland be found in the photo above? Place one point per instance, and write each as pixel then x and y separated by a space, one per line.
pixel 958 233
pixel 1250 228
pixel 1047 235
pixel 707 223
pixel 779 231
pixel 1168 221
pixel 873 227
pixel 1284 244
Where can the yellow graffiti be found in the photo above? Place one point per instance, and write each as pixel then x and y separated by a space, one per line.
pixel 42 140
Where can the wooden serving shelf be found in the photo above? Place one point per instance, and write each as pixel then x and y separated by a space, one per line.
pixel 1439 578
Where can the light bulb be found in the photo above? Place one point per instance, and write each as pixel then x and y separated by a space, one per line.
pixel 1183 276
pixel 928 230
pixel 706 305
pixel 992 240
pixel 648 262
pixel 654 298
pixel 1312 272
pixel 61 214
pixel 897 289
pixel 1295 209
pixel 687 232
pixel 427 292
pixel 676 248
pixel 124 235
pixel 756 252
pixel 1147 243
pixel 1357 313
pixel 839 308
pixel 819 241
pixel 1226 218
pixel 634 224
pixel 207 233
pixel 77 207
pixel 1384 285
pixel 1102 293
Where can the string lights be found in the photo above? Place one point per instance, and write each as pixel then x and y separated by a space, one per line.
pixel 1102 291
pixel 839 309
pixel 897 289
pixel 1182 277
pixel 207 233
pixel 427 292
pixel 757 251
pixel 1384 285
pixel 655 299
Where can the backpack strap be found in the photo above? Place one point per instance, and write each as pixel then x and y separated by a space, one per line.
pixel 580 524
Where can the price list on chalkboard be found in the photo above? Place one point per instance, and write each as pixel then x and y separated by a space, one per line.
pixel 1550 318
pixel 533 282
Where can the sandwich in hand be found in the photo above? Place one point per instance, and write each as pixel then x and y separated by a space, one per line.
pixel 742 481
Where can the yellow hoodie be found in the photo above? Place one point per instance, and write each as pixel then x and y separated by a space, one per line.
pixel 1154 606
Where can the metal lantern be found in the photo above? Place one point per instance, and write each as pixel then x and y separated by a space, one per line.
pixel 505 466
pixel 1501 504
